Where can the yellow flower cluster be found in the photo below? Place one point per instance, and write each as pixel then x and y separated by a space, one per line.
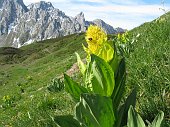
pixel 6 98
pixel 97 42
pixel 123 37
pixel 95 37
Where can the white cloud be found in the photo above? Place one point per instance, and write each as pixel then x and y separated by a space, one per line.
pixel 91 0
pixel 126 14
pixel 117 15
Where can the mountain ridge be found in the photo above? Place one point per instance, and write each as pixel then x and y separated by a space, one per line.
pixel 21 25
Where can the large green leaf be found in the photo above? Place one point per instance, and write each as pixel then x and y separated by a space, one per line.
pixel 73 88
pixel 95 110
pixel 119 84
pixel 81 65
pixel 114 63
pixel 66 121
pixel 122 113
pixel 103 76
pixel 106 52
pixel 134 119
pixel 158 120
pixel 88 77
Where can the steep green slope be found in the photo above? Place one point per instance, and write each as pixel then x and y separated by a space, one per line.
pixel 24 75
pixel 149 67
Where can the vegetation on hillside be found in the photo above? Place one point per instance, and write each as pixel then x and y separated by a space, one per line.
pixel 148 67
pixel 26 73
pixel 30 94
pixel 103 80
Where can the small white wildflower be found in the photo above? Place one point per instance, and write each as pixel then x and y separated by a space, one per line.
pixel 138 35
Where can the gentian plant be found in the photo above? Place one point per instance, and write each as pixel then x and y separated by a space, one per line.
pixel 99 96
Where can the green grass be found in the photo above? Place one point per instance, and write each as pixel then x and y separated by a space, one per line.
pixel 25 74
pixel 148 68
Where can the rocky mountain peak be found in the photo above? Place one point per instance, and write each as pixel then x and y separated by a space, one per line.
pixel 5 4
pixel 106 27
pixel 20 2
pixel 99 22
pixel 21 25
pixel 41 5
pixel 80 18
pixel 81 14
pixel 10 11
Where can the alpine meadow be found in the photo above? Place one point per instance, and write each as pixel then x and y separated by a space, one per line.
pixel 91 78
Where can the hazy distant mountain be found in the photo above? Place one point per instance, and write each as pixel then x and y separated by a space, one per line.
pixel 21 25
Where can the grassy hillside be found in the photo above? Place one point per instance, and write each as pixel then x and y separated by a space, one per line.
pixel 24 75
pixel 149 67
pixel 26 72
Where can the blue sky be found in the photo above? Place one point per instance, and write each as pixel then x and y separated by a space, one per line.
pixel 118 13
